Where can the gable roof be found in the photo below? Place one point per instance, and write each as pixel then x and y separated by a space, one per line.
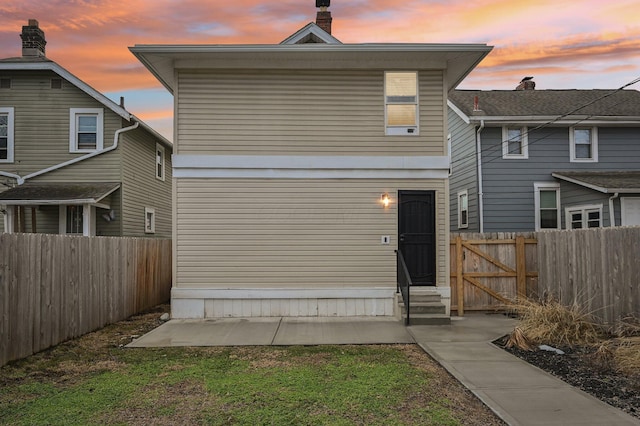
pixel 310 33
pixel 42 63
pixel 531 105
pixel 606 182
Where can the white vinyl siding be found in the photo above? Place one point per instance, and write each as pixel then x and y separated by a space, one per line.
pixel 6 135
pixel 293 233
pixel 301 113
pixel 583 144
pixel 86 129
pixel 515 144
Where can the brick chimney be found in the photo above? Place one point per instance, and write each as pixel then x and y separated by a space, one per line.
pixel 33 41
pixel 323 19
pixel 526 83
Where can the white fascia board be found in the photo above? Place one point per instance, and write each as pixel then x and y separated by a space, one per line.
pixel 595 187
pixel 458 112
pixel 309 167
pixel 52 66
pixel 311 28
pixel 282 293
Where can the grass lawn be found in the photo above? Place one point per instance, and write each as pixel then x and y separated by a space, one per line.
pixel 94 380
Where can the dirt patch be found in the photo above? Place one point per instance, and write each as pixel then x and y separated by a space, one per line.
pixel 584 368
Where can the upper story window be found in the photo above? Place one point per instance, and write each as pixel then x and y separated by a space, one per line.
pixel 86 129
pixel 547 205
pixel 159 162
pixel 583 144
pixel 6 135
pixel 463 209
pixel 56 83
pixel 401 102
pixel 515 142
pixel 5 83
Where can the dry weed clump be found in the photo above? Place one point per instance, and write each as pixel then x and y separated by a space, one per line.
pixel 551 323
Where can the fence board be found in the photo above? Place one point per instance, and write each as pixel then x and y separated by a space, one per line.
pixel 56 287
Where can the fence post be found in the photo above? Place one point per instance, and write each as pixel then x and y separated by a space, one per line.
pixel 459 278
pixel 521 269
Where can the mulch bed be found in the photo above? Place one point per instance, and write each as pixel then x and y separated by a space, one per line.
pixel 580 367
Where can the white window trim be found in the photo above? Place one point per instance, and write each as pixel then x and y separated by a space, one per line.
pixel 88 220
pixel 537 186
pixel 160 148
pixel 594 145
pixel 73 137
pixel 460 224
pixel 505 144
pixel 10 130
pixel 402 130
pixel 450 153
pixel 150 229
pixel 582 209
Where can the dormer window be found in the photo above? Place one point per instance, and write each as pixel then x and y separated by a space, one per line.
pixel 86 129
pixel 401 102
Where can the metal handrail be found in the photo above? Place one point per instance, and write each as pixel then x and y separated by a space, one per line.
pixel 403 282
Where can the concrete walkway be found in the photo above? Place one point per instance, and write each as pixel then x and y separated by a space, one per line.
pixel 516 391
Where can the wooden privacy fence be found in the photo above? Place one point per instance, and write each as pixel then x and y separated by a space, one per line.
pixel 489 270
pixel 597 269
pixel 57 287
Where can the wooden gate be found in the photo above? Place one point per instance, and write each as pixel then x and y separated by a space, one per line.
pixel 488 271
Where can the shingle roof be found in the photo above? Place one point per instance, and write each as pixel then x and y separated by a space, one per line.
pixel 547 103
pixel 58 193
pixel 607 182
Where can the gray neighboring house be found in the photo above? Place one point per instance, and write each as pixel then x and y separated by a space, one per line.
pixel 71 160
pixel 528 160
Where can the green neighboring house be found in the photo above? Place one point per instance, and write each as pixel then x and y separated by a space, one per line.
pixel 71 160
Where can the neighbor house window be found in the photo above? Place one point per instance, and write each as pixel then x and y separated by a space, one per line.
pixel 56 83
pixel 547 202
pixel 86 129
pixel 6 135
pixel 401 103
pixel 75 220
pixel 5 83
pixel 583 144
pixel 149 220
pixel 159 162
pixel 463 209
pixel 584 217
pixel 515 142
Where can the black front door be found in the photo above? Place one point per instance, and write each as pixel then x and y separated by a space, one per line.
pixel 417 234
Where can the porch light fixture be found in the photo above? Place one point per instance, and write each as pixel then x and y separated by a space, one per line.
pixel 385 200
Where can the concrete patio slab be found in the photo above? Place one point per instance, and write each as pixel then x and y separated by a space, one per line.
pixel 340 331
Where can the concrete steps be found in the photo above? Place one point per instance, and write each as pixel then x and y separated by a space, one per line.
pixel 426 308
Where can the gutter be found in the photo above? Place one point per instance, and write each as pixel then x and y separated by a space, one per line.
pixel 612 216
pixel 116 139
pixel 480 193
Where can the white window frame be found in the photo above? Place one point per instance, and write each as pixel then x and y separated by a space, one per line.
pixel 150 227
pixel 160 162
pixel 537 186
pixel 594 144
pixel 450 153
pixel 584 209
pixel 461 224
pixel 524 143
pixel 88 220
pixel 9 112
pixel 73 133
pixel 405 130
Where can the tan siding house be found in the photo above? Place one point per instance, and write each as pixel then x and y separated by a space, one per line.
pixel 72 160
pixel 283 156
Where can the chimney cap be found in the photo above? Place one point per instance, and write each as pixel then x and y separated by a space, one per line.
pixel 33 23
pixel 323 3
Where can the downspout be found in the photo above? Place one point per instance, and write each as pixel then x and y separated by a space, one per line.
pixel 480 193
pixel 116 138
pixel 13 176
pixel 612 216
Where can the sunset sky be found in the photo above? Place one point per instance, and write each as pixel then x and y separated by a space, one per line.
pixel 565 44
